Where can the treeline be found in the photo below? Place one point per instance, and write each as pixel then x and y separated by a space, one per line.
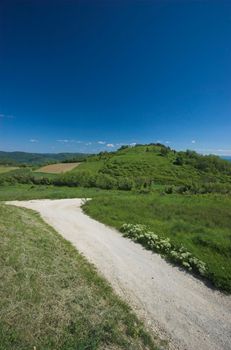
pixel 205 163
pixel 81 178
pixel 198 188
pixel 107 182
pixel 26 158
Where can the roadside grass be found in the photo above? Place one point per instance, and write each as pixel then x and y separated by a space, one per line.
pixel 52 298
pixel 5 169
pixel 201 223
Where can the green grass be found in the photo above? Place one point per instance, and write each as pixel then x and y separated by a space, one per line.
pixel 5 169
pixel 26 192
pixel 200 223
pixel 52 298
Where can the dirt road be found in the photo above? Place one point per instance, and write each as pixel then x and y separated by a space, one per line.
pixel 170 301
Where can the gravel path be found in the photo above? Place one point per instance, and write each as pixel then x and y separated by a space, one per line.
pixel 170 301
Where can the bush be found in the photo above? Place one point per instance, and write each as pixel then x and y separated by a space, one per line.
pixel 197 188
pixel 125 184
pixel 179 160
pixel 140 234
pixel 106 182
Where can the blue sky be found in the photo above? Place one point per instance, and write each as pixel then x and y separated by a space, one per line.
pixel 91 75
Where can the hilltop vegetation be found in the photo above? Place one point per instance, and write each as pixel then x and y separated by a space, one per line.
pixel 141 167
pixel 144 166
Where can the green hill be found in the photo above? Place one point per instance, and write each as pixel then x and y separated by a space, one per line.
pixel 142 167
pixel 156 164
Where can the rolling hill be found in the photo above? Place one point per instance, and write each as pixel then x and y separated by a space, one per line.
pixel 157 164
pixel 17 158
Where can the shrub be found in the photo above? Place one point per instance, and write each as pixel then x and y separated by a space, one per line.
pixel 179 160
pixel 106 182
pixel 140 233
pixel 125 184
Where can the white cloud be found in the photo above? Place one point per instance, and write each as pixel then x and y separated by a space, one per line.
pixel 63 140
pixel 193 141
pixel 33 140
pixel 88 143
pixel 133 144
pixel 167 142
pixel 110 145
pixel 68 141
pixel 6 116
pixel 101 142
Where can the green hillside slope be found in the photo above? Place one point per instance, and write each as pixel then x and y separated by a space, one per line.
pixel 142 167
pixel 157 164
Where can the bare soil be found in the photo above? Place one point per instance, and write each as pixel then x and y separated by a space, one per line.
pixel 57 168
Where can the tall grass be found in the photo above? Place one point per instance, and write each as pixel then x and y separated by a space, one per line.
pixel 201 223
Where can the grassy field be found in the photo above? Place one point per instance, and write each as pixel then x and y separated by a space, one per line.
pixel 57 168
pixel 26 192
pixel 52 298
pixel 201 223
pixel 5 169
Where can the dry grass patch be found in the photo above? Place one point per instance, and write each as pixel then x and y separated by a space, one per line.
pixel 57 168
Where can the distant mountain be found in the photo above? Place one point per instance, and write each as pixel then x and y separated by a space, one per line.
pixel 226 158
pixel 14 158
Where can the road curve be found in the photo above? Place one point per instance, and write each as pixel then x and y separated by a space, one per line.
pixel 171 302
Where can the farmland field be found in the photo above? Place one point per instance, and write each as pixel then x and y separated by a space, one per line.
pixel 5 169
pixel 57 168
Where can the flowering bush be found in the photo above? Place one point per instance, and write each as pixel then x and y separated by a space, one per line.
pixel 141 234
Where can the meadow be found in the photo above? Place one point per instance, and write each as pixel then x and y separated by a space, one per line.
pixel 200 223
pixel 52 298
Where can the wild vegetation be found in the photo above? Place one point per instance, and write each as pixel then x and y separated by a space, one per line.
pixel 199 223
pixel 52 298
pixel 141 234
pixel 141 168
